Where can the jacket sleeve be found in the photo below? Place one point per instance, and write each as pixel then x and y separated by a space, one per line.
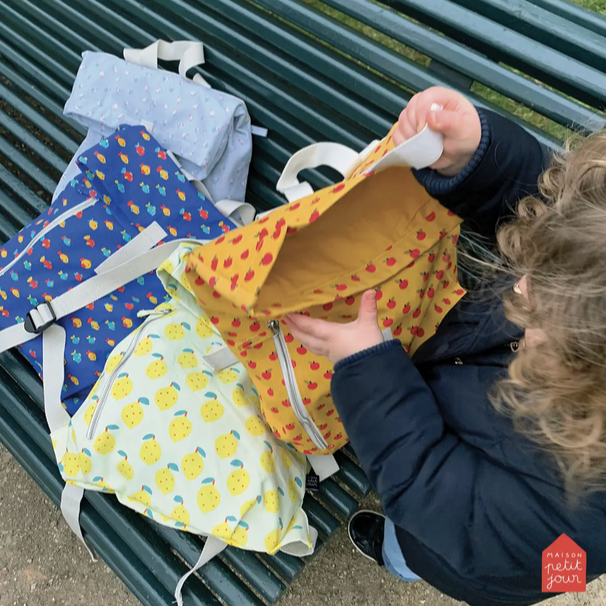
pixel 439 489
pixel 505 169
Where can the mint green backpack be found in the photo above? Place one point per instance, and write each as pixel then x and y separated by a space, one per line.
pixel 181 443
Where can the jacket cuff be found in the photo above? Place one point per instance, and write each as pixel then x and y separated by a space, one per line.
pixel 371 351
pixel 436 185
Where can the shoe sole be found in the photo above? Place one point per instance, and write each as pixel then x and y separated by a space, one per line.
pixel 351 539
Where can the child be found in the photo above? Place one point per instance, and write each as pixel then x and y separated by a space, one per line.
pixel 472 495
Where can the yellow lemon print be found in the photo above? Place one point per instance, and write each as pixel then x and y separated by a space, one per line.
pixel 85 462
pixel 132 414
pixel 271 500
pixel 227 444
pixel 156 369
pixel 164 478
pixel 239 397
pixel 70 464
pixel 105 442
pixel 167 397
pixel 193 464
pixel 197 381
pixel 176 332
pixel 240 536
pixel 150 451
pixel 143 496
pixel 145 346
pixel 228 375
pixel 223 530
pixel 187 359
pixel 122 387
pixel 238 480
pixel 203 329
pixel 255 426
pixel 98 480
pixel 90 411
pixel 112 363
pixel 179 513
pixel 211 410
pixel 208 496
pixel 125 469
pixel 168 267
pixel 180 427
pixel 267 459
pixel 286 458
pixel 254 397
pixel 294 485
pixel 272 540
pixel 248 505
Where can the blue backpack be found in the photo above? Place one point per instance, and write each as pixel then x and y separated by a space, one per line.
pixel 128 197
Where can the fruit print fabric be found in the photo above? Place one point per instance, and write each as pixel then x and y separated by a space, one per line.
pixel 187 447
pixel 135 183
pixel 317 255
pixel 207 129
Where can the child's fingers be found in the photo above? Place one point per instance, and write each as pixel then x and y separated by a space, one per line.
pixel 316 345
pixel 310 326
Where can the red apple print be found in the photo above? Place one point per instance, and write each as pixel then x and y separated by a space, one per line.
pixel 294 206
pixel 314 366
pixel 250 274
pixel 440 274
pixel 450 265
pixel 259 245
pixel 216 295
pixel 230 342
pixel 416 313
pixel 220 240
pixel 387 322
pixel 281 222
pixel 371 268
pixel 244 255
pixel 214 320
pixel 291 230
pixel 214 264
pixel 391 304
pixel 275 410
pixel 234 281
pixel 263 220
pixel 232 334
pixel 430 293
pixel 379 294
pixel 430 217
pixel 415 253
pixel 421 293
pixel 199 282
pixel 455 238
pixel 459 292
pixel 301 350
pixel 263 234
pixel 307 401
pixel 355 278
pixel 413 330
pixel 323 426
pixel 425 276
pixel 255 326
pixel 445 284
pixel 267 259
pixel 327 306
pixel 318 292
pixel 446 301
pixel 350 300
pixel 389 262
pixel 328 375
pixel 311 385
pixel 398 331
pixel 237 239
pixel 277 233
pixel 341 287
pixel 236 323
pixel 289 338
pixel 438 309
pixel 420 333
pixel 421 235
pixel 252 365
pixel 290 427
pixel 445 257
pixel 270 392
pixel 432 257
pixel 406 309
pixel 403 284
pixel 285 403
pixel 212 282
pixel 389 248
pixel 266 375
pixel 315 201
pixel 314 216
pixel 338 188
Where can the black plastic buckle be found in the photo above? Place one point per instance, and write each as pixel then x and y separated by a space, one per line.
pixel 29 325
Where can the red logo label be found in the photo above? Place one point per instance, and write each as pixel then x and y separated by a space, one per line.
pixel 564 567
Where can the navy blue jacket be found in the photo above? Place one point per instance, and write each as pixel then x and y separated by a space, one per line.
pixel 474 502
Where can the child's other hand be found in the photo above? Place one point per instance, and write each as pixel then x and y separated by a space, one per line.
pixel 339 341
pixel 457 120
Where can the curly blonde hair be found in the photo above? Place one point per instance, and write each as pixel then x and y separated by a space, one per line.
pixel 556 391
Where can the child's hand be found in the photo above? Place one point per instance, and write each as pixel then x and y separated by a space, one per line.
pixel 457 120
pixel 339 341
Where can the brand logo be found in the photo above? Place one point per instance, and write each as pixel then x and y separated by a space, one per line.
pixel 564 567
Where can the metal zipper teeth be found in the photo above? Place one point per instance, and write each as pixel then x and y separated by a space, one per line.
pixel 112 377
pixel 63 217
pixel 293 390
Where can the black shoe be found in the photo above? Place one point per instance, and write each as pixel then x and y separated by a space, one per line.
pixel 366 530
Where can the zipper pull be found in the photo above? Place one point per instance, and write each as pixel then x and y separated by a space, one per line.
pixel 144 313
pixel 274 326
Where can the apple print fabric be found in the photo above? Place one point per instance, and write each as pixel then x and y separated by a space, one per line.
pixel 124 184
pixel 317 256
pixel 181 443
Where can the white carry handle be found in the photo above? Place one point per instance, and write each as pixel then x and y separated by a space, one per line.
pixel 420 151
pixel 189 54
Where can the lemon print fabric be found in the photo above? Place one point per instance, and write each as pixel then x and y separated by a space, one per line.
pixel 182 443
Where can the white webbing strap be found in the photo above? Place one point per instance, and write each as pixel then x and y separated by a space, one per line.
pixel 142 242
pixel 324 465
pixel 240 213
pixel 420 151
pixel 188 53
pixel 220 359
pixel 212 548
pixel 71 498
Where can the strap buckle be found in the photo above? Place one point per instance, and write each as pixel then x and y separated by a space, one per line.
pixel 40 318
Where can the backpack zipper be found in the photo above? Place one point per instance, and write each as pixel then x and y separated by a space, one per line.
pixel 152 317
pixel 60 219
pixel 292 389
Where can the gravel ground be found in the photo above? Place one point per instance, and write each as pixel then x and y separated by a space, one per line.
pixel 42 563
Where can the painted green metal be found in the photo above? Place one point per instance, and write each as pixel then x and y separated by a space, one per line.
pixel 306 77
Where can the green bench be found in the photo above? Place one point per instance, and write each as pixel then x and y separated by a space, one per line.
pixel 337 70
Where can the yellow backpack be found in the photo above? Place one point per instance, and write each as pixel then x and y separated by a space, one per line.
pixel 377 229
